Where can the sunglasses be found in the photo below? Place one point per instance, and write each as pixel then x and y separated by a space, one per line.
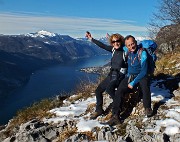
pixel 115 41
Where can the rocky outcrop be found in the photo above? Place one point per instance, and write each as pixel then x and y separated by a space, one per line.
pixel 136 127
pixel 168 39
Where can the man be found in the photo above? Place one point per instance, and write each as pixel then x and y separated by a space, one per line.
pixel 117 73
pixel 137 75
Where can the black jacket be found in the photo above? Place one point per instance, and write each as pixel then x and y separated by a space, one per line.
pixel 117 60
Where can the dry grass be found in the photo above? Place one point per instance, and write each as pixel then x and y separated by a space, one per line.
pixel 70 132
pixel 177 98
pixel 89 135
pixel 169 64
pixel 66 134
pixel 90 107
pixel 37 111
pixel 84 90
pixel 121 129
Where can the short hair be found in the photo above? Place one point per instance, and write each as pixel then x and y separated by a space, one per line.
pixel 118 36
pixel 129 36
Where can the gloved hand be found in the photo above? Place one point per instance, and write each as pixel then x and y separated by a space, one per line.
pixel 114 76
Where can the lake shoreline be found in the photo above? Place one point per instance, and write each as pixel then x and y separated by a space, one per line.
pixel 49 82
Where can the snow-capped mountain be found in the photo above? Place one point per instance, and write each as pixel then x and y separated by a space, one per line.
pixel 139 39
pixel 41 33
pixel 106 41
pixel 20 55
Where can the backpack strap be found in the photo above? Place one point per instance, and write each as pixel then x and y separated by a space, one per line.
pixel 113 51
pixel 140 53
pixel 125 56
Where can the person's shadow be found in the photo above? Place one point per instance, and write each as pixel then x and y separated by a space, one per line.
pixel 169 82
pixel 131 99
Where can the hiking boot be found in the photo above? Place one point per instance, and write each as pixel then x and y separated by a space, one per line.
pixel 95 114
pixel 115 120
pixel 148 112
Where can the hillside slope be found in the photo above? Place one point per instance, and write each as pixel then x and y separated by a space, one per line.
pixel 70 121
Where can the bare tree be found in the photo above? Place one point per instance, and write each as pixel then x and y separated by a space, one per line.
pixel 168 12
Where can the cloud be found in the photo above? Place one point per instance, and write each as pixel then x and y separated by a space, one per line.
pixel 20 23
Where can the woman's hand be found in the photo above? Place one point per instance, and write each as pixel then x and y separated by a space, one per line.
pixel 88 35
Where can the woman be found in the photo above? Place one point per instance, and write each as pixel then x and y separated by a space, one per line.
pixel 117 72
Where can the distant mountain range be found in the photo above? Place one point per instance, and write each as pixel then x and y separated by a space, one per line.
pixel 20 55
pixel 50 46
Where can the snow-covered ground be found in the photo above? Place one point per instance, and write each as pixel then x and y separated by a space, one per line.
pixel 170 123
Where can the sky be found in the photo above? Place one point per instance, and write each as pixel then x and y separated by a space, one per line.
pixel 170 125
pixel 75 17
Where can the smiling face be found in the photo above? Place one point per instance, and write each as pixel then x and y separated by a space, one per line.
pixel 131 44
pixel 116 40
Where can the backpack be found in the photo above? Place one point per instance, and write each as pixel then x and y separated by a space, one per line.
pixel 150 47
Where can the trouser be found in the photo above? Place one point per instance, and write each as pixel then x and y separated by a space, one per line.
pixel 106 85
pixel 110 89
pixel 123 89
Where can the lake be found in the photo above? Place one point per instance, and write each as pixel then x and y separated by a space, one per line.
pixel 47 83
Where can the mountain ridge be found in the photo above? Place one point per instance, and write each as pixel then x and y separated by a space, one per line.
pixel 30 52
